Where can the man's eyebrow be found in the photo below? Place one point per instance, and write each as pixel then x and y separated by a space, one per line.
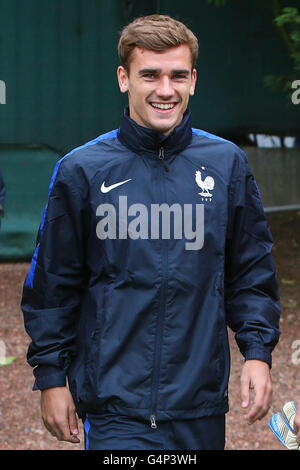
pixel 141 72
pixel 181 71
pixel 157 71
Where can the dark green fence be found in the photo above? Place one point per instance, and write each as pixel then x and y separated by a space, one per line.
pixel 58 60
pixel 27 173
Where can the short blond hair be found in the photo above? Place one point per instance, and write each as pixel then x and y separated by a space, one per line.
pixel 155 33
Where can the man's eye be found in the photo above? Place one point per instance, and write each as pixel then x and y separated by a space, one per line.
pixel 179 77
pixel 149 75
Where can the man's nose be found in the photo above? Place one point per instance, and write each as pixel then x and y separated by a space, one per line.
pixel 164 88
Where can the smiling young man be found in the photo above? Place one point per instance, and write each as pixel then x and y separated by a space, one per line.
pixel 159 84
pixel 153 241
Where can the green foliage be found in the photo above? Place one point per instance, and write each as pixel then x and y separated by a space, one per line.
pixel 5 361
pixel 290 19
pixel 288 22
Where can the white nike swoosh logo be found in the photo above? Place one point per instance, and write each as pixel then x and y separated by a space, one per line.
pixel 106 189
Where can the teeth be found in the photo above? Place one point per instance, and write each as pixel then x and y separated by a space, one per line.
pixel 162 106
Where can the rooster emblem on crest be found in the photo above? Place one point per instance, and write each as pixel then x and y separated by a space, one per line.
pixel 206 185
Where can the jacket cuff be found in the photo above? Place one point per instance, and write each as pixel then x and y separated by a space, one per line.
pixel 48 377
pixel 259 355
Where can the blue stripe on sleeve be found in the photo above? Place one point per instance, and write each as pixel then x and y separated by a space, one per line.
pixel 208 135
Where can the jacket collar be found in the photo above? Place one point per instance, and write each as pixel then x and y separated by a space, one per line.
pixel 142 140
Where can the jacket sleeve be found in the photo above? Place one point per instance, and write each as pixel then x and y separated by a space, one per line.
pixel 53 286
pixel 251 292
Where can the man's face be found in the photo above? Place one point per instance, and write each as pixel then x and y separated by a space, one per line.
pixel 159 85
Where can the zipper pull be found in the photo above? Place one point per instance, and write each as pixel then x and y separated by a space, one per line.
pixel 153 423
pixel 161 156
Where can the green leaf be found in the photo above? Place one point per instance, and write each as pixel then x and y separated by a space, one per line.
pixel 5 361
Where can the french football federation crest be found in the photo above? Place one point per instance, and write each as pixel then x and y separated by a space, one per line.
pixel 207 184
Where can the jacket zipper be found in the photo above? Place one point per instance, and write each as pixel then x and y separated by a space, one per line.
pixel 159 335
pixel 153 422
pixel 161 156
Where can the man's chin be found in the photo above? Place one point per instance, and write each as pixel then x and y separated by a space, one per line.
pixel 163 127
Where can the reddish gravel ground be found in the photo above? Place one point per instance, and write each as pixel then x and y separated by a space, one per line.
pixel 21 427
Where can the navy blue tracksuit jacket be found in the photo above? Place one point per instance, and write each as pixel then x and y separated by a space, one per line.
pixel 149 247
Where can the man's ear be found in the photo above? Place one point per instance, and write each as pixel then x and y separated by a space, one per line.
pixel 194 80
pixel 122 79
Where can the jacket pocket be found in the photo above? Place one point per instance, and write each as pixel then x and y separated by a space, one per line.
pixel 93 357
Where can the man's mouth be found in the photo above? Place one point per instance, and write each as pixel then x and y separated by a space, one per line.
pixel 163 106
